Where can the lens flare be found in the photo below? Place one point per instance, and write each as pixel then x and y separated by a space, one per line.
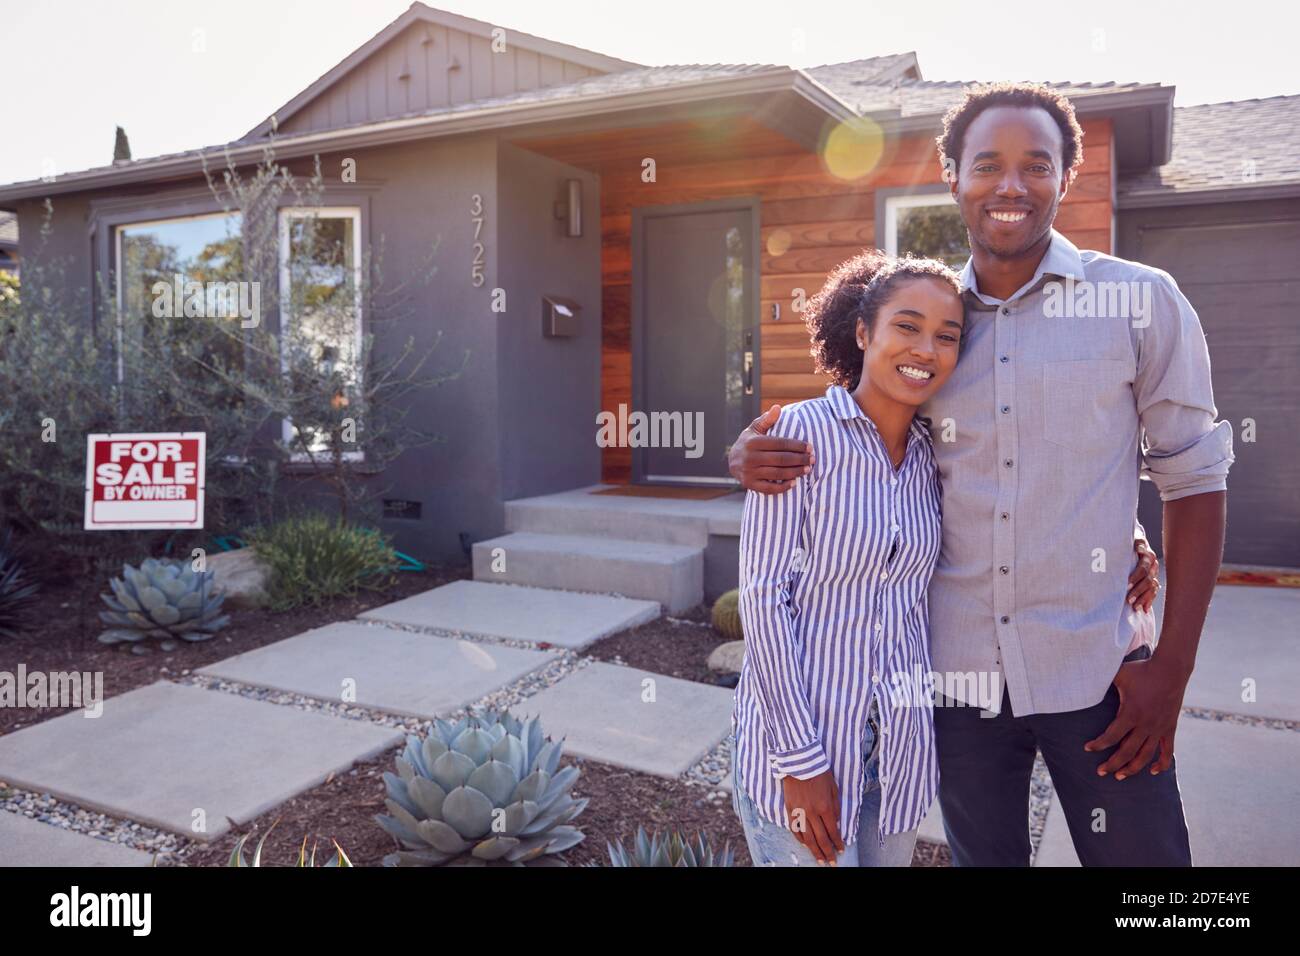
pixel 852 149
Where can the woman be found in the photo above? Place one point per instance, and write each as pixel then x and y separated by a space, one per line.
pixel 834 759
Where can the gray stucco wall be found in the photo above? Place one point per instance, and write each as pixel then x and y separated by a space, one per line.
pixel 411 195
pixel 549 387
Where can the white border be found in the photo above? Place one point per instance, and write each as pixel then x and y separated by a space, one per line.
pixel 92 440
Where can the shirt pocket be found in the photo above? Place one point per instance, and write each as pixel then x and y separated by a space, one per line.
pixel 1081 400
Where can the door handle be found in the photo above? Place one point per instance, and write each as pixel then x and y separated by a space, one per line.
pixel 749 373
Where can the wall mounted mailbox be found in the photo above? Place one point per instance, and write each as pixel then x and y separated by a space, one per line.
pixel 559 317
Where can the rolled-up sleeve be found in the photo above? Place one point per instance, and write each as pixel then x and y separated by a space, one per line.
pixel 1184 450
pixel 773 546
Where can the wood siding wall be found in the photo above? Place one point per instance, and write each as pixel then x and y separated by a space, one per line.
pixel 376 90
pixel 810 221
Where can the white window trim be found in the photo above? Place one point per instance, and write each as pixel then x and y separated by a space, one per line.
pixel 118 229
pixel 286 214
pixel 895 203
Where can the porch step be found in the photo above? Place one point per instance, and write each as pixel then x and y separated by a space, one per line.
pixel 596 518
pixel 672 574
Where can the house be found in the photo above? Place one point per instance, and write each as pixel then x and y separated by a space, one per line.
pixel 653 229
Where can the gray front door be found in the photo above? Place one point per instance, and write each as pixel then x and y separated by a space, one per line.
pixel 694 337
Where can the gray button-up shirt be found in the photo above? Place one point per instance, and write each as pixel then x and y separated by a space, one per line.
pixel 1091 375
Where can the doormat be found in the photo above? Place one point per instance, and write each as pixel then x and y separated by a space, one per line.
pixel 1268 577
pixel 681 492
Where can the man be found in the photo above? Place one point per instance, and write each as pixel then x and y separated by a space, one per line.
pixel 1077 368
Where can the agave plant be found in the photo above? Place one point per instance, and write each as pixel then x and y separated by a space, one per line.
pixel 483 790
pixel 166 599
pixel 237 855
pixel 669 850
pixel 17 591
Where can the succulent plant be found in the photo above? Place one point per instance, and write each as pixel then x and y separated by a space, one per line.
pixel 166 599
pixel 726 616
pixel 17 591
pixel 480 791
pixel 669 850
pixel 237 855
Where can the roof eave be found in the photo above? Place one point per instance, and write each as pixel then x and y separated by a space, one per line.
pixel 776 80
pixel 1242 192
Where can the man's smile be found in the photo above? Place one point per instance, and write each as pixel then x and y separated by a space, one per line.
pixel 1008 215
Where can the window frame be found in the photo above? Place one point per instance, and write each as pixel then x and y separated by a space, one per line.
pixel 284 216
pixel 890 199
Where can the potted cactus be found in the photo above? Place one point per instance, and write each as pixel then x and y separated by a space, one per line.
pixel 726 616
pixel 481 791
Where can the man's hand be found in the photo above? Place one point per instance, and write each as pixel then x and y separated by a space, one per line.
pixel 768 465
pixel 1150 699
pixel 1144 582
pixel 813 806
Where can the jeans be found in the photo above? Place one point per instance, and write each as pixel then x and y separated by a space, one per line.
pixel 984 770
pixel 773 844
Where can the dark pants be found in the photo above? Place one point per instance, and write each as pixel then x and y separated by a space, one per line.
pixel 984 771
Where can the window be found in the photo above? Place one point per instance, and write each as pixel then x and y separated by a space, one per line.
pixel 320 324
pixel 927 224
pixel 207 249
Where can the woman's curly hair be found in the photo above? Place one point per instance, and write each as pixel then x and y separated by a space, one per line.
pixel 855 289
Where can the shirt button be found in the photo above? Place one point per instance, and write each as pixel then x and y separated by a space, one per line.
pixel 875 678
pixel 1005 310
pixel 1006 409
pixel 1004 569
pixel 883 575
pixel 896 528
pixel 1005 619
pixel 1004 360
pixel 1006 516
pixel 1007 462
pixel 884 779
pixel 879 626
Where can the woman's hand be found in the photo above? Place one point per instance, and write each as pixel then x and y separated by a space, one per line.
pixel 1144 582
pixel 813 806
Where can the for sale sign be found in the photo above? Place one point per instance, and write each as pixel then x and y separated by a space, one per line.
pixel 144 481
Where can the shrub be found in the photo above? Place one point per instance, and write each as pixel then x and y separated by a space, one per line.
pixel 17 590
pixel 313 559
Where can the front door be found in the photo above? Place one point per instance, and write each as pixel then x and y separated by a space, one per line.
pixel 695 276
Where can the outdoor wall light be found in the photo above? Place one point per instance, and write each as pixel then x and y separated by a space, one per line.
pixel 559 317
pixel 571 209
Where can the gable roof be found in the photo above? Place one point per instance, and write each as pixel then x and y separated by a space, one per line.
pixel 1213 155
pixel 420 13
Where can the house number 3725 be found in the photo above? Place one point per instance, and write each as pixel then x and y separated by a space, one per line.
pixel 476 217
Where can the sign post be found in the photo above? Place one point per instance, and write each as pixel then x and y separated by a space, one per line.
pixel 141 480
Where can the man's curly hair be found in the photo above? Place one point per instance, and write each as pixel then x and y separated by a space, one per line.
pixel 856 289
pixel 979 98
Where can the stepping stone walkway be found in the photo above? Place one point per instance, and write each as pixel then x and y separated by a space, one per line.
pixel 1250 634
pixel 161 752
pixel 600 711
pixel 399 672
pixel 27 842
pixel 1240 786
pixel 515 612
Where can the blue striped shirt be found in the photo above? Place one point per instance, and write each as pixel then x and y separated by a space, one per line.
pixel 831 621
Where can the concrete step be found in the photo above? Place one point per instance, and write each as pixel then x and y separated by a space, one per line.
pixel 599 519
pixel 672 574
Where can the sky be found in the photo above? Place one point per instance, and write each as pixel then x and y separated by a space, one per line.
pixel 182 74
